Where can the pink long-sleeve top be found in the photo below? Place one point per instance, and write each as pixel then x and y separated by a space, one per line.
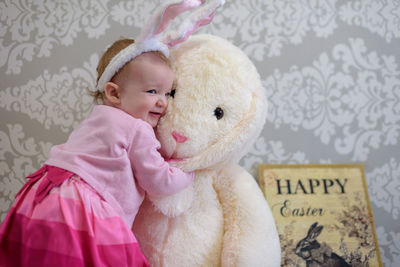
pixel 118 156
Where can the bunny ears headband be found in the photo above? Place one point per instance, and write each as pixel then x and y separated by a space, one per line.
pixel 154 36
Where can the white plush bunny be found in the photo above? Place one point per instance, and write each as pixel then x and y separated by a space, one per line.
pixel 218 111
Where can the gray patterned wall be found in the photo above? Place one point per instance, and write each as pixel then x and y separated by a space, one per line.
pixel 330 69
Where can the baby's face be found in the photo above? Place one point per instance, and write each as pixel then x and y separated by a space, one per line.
pixel 146 84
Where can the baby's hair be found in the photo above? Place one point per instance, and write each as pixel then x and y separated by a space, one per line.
pixel 113 50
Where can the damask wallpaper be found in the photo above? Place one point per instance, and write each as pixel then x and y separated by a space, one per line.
pixel 330 69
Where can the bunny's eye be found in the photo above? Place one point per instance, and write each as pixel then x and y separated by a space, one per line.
pixel 172 93
pixel 218 113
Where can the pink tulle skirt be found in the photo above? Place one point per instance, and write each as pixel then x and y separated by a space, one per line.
pixel 68 225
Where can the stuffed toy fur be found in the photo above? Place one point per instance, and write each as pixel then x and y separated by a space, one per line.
pixel 218 111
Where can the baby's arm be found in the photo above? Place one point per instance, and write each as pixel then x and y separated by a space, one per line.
pixel 151 171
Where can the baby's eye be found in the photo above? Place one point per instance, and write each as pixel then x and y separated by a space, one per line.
pixel 152 91
pixel 218 113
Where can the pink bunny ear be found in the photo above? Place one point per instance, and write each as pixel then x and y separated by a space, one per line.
pixel 201 22
pixel 199 17
pixel 156 37
pixel 174 10
pixel 166 11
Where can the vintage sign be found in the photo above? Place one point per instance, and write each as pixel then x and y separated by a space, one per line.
pixel 322 213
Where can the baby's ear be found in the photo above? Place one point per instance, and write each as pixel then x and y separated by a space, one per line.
pixel 112 93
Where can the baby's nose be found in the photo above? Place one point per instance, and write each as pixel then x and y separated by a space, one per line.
pixel 162 102
pixel 178 137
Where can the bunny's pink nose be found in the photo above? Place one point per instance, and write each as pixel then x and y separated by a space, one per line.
pixel 178 137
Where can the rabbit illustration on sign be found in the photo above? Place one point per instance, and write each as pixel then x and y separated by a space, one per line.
pixel 316 254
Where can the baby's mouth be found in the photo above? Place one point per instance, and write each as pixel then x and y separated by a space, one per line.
pixel 155 114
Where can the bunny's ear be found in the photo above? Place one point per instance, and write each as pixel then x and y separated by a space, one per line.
pixel 155 36
pixel 314 231
pixel 203 15
pixel 164 14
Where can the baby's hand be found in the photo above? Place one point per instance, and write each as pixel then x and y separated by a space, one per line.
pixel 173 161
pixel 183 164
pixel 174 205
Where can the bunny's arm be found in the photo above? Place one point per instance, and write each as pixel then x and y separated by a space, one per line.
pixel 250 235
